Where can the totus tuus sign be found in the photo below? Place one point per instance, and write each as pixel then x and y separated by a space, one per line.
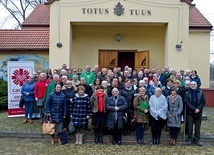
pixel 118 10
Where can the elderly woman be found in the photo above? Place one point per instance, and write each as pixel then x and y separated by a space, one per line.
pixel 141 107
pixel 80 109
pixel 175 107
pixel 39 93
pixel 69 92
pixel 28 97
pixel 116 107
pixel 158 109
pixel 56 109
pixel 98 102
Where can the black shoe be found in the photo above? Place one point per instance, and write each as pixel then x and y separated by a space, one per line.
pixel 154 141
pixel 139 142
pixel 119 142
pixel 197 142
pixel 158 141
pixel 113 142
pixel 96 139
pixel 101 138
pixel 189 143
pixel 143 142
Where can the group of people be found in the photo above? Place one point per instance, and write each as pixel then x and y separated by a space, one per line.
pixel 118 101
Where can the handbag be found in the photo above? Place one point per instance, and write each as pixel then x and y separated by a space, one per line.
pixel 64 137
pixel 48 127
pixel 21 102
pixel 133 120
pixel 71 127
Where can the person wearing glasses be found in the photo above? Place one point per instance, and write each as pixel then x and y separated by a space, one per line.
pixel 195 102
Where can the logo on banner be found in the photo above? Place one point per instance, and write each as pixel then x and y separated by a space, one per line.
pixel 20 76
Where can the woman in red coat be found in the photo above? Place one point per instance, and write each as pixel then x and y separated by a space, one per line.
pixel 39 93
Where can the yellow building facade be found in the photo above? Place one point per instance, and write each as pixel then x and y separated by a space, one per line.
pixel 80 30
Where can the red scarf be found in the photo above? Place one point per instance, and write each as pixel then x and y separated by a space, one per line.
pixel 100 101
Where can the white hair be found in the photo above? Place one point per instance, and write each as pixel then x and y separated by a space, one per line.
pixel 141 81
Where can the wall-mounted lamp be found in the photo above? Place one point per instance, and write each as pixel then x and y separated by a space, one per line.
pixel 59 45
pixel 118 37
pixel 178 47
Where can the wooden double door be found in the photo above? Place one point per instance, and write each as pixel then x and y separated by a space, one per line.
pixel 118 58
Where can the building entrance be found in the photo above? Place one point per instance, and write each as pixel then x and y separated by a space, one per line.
pixel 114 58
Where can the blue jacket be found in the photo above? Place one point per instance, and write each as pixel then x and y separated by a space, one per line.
pixel 196 79
pixel 28 87
pixel 56 105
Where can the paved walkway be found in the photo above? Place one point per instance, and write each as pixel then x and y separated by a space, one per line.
pixel 14 128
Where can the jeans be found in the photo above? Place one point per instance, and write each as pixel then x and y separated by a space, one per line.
pixel 140 128
pixel 41 112
pixel 28 108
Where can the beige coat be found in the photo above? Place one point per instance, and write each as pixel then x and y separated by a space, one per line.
pixel 94 102
pixel 140 118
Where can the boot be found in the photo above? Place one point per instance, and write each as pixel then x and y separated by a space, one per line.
pixel 119 135
pixel 154 140
pixel 59 140
pixel 101 137
pixel 77 138
pixel 171 141
pixel 158 140
pixel 80 138
pixel 113 139
pixel 96 136
pixel 174 142
pixel 52 141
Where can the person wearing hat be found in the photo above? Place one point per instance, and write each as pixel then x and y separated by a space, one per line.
pixel 116 107
pixel 98 102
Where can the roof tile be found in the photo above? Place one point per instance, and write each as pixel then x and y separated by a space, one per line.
pixel 40 16
pixel 24 40
pixel 196 19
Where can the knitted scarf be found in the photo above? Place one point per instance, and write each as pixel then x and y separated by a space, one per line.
pixel 100 101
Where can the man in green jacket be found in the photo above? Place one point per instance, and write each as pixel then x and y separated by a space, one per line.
pixel 88 75
pixel 51 87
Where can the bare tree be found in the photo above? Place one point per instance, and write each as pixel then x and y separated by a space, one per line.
pixel 19 9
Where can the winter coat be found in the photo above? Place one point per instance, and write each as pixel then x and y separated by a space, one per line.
pixel 80 108
pixel 128 95
pixel 158 106
pixel 56 105
pixel 141 118
pixel 200 103
pixel 94 102
pixel 40 89
pixel 50 89
pixel 122 104
pixel 28 87
pixel 196 79
pixel 174 109
pixel 69 93
pixel 166 91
